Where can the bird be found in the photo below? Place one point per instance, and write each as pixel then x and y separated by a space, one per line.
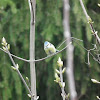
pixel 49 48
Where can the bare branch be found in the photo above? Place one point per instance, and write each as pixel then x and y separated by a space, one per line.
pixel 89 52
pixel 32 11
pixel 52 54
pixel 90 22
pixel 73 38
pixel 38 59
pixel 16 56
pixel 19 72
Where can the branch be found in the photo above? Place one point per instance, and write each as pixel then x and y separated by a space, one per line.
pixel 37 60
pixel 62 88
pixel 59 78
pixel 16 56
pixel 73 38
pixel 90 22
pixel 89 52
pixel 6 47
pixel 32 4
pixel 32 11
pixel 52 54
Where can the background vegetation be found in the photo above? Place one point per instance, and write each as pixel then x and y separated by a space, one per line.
pixel 15 26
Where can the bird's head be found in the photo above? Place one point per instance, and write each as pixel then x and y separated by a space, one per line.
pixel 46 43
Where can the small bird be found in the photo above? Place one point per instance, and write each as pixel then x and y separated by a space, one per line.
pixel 49 48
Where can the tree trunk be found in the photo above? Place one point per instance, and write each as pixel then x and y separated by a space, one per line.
pixel 32 49
pixel 69 51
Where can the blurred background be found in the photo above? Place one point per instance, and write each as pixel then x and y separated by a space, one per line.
pixel 15 27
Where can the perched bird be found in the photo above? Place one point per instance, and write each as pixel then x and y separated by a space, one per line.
pixel 49 48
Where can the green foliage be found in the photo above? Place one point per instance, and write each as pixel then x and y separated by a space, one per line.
pixel 14 26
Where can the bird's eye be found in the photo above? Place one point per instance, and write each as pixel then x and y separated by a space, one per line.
pixel 47 45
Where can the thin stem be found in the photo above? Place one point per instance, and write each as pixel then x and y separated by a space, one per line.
pixel 52 54
pixel 41 58
pixel 87 51
pixel 90 23
pixel 73 38
pixel 85 12
pixel 62 88
pixel 38 59
pixel 19 72
pixel 16 56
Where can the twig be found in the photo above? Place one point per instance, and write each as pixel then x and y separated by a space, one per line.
pixel 88 63
pixel 62 88
pixel 32 11
pixel 16 56
pixel 90 22
pixel 38 59
pixel 88 55
pixel 89 52
pixel 52 54
pixel 73 38
pixel 59 79
pixel 19 72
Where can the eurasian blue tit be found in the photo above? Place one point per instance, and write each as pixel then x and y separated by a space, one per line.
pixel 49 48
